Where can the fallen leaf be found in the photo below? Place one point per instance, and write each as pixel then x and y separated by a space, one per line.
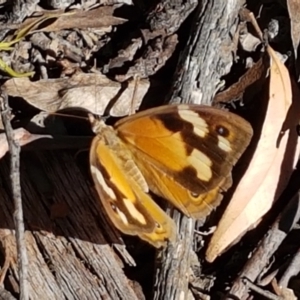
pixel 101 17
pixel 257 72
pixel 270 168
pixel 95 18
pixel 93 92
pixel 294 12
pixel 27 28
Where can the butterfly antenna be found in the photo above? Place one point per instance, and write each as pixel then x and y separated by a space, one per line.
pixel 68 116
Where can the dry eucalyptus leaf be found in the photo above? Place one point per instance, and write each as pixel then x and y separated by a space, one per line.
pixel 294 12
pixel 271 166
pixel 95 18
pixel 92 92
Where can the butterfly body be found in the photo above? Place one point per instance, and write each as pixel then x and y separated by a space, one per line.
pixel 183 153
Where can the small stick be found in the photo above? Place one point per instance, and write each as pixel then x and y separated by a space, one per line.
pixel 283 224
pixel 14 149
pixel 260 291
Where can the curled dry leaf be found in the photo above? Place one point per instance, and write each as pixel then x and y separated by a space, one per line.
pixel 270 168
pixel 256 73
pixel 93 92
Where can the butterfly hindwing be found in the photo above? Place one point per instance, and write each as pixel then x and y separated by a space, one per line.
pixel 121 190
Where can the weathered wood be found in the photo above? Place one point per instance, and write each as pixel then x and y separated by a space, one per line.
pixel 69 258
pixel 21 9
pixel 209 53
pixel 207 57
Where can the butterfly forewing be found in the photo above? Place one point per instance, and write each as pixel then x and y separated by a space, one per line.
pixel 186 152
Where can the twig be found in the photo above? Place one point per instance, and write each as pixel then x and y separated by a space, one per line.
pixel 283 224
pixel 260 291
pixel 14 149
pixel 4 269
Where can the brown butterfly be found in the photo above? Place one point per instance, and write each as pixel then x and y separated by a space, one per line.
pixel 183 153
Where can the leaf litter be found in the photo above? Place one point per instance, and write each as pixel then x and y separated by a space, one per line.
pixel 68 60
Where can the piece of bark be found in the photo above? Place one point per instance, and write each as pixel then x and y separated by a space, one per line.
pixel 159 40
pixel 21 9
pixel 209 54
pixel 174 261
pixel 199 71
pixel 68 257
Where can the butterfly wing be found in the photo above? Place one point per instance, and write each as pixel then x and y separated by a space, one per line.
pixel 130 209
pixel 186 152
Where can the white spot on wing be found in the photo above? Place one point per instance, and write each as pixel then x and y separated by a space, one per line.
pixel 122 216
pixel 200 125
pixel 98 175
pixel 224 144
pixel 202 164
pixel 200 131
pixel 134 212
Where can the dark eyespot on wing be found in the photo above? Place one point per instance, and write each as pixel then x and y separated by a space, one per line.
pixel 194 195
pixel 222 130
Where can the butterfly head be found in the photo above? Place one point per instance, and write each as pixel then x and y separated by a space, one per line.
pixel 97 123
